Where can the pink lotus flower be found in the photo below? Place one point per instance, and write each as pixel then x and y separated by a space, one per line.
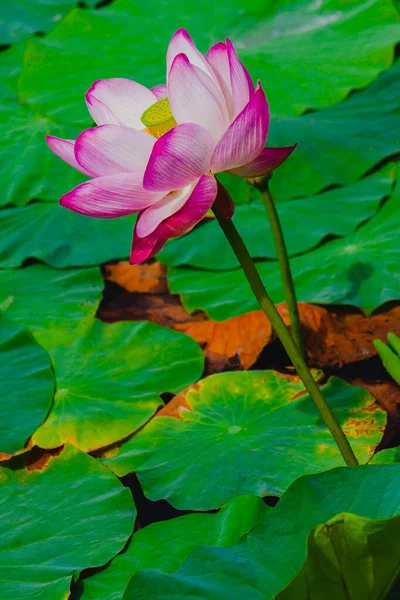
pixel 156 151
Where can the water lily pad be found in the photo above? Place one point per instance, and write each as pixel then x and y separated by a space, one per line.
pixel 28 169
pixel 71 515
pixel 166 545
pixel 21 18
pixel 60 237
pixel 349 557
pixel 109 378
pixel 336 212
pixel 261 438
pixel 27 386
pixel 359 270
pixel 50 303
pixel 386 457
pixel 277 42
pixel 271 555
pixel 340 144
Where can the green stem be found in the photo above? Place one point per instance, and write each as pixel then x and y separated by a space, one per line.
pixel 283 333
pixel 286 275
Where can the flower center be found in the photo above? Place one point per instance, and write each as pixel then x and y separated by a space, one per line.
pixel 158 118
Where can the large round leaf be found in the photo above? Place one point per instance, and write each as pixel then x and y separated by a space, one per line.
pixel 71 515
pixel 360 269
pixel 20 18
pixel 277 41
pixel 336 212
pixel 295 49
pixel 385 457
pixel 368 565
pixel 27 384
pixel 50 303
pixel 267 560
pixel 166 545
pixel 60 237
pixel 28 168
pixel 109 378
pixel 259 436
pixel 339 144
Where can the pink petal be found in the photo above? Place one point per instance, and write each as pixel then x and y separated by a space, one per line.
pixel 245 138
pixel 160 91
pixel 110 149
pixel 144 248
pixel 241 82
pixel 217 56
pixel 178 158
pixel 193 211
pixel 195 98
pixel 110 196
pixel 65 149
pixel 267 161
pixel 118 101
pixel 158 212
pixel 182 43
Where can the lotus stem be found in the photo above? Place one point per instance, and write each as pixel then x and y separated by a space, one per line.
pixel 268 307
pixel 284 266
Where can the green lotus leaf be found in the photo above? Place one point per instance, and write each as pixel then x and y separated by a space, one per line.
pixel 27 382
pixel 165 545
pixel 71 515
pixel 261 438
pixel 60 237
pixel 360 269
pixel 10 68
pixel 38 173
pixel 386 457
pixel 21 18
pixel 277 41
pixel 275 550
pixel 109 378
pixel 339 144
pixel 50 303
pixel 336 212
pixel 349 557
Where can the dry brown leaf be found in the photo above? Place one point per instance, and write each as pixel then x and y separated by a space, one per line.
pixel 334 336
pixel 143 279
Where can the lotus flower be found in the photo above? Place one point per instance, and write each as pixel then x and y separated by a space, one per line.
pixel 155 151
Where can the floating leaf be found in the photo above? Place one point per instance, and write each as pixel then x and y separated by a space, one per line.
pixel 27 386
pixel 353 47
pixel 386 457
pixel 338 145
pixel 60 237
pixel 337 212
pixel 269 557
pixel 360 270
pixel 21 18
pixel 347 37
pixel 260 437
pixel 348 557
pixel 109 378
pixel 28 169
pixel 166 545
pixel 50 303
pixel 71 515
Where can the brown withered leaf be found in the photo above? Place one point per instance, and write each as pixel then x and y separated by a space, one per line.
pixel 143 279
pixel 143 295
pixel 334 336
